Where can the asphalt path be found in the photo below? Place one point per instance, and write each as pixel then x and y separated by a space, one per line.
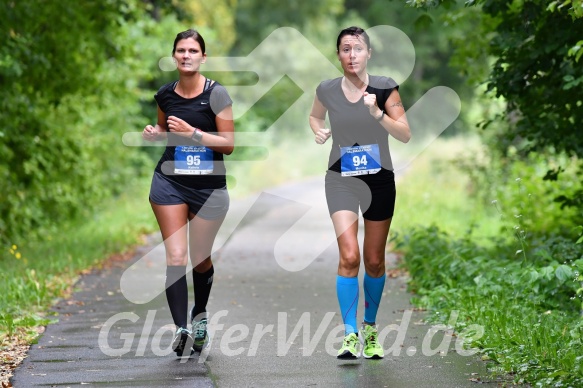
pixel 274 318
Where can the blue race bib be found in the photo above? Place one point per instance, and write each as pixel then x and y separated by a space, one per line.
pixel 360 160
pixel 193 160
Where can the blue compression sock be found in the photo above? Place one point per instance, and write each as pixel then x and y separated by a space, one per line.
pixel 347 291
pixel 373 292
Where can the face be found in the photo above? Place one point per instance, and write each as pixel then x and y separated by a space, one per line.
pixel 188 55
pixel 353 54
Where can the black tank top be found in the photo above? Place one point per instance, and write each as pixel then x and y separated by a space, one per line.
pixel 199 112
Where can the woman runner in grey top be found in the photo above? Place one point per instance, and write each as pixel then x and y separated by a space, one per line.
pixel 363 110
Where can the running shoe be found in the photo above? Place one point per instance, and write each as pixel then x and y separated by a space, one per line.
pixel 349 349
pixel 182 343
pixel 371 348
pixel 201 337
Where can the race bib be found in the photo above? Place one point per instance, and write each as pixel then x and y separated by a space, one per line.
pixel 360 160
pixel 193 160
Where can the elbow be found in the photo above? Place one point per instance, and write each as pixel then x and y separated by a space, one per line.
pixel 407 137
pixel 228 150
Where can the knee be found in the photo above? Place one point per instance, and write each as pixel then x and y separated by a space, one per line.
pixel 201 264
pixel 176 256
pixel 350 261
pixel 375 266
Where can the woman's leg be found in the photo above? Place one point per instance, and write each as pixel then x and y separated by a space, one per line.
pixel 375 241
pixel 202 235
pixel 172 220
pixel 346 228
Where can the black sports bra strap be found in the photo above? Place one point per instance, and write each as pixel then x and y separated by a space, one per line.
pixel 207 84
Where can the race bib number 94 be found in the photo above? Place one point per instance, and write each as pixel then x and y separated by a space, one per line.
pixel 360 160
pixel 193 160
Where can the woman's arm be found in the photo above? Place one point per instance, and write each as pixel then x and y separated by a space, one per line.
pixel 157 132
pixel 222 141
pixel 395 120
pixel 318 122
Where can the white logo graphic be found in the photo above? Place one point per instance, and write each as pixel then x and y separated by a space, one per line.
pixel 286 52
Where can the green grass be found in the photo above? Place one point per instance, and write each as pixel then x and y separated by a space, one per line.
pixel 36 273
pixel 434 191
pixel 517 274
pixel 529 310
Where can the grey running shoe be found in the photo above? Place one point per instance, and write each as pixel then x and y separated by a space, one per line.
pixel 201 337
pixel 182 343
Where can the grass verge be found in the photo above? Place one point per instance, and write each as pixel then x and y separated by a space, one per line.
pixel 514 281
pixel 434 191
pixel 36 273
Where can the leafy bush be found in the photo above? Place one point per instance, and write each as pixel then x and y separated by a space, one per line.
pixel 71 87
pixel 529 309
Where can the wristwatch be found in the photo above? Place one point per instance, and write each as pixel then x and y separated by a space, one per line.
pixel 381 116
pixel 196 135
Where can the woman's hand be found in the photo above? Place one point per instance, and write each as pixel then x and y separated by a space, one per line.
pixel 370 101
pixel 322 135
pixel 150 133
pixel 179 126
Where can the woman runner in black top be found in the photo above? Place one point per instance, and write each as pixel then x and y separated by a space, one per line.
pixel 188 193
pixel 363 110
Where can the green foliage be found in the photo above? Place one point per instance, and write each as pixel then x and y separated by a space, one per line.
pixel 66 100
pixel 273 14
pixel 527 203
pixel 535 68
pixel 575 7
pixel 530 310
pixel 431 34
pixel 36 273
pixel 524 287
pixel 440 191
pixel 536 75
pixel 216 19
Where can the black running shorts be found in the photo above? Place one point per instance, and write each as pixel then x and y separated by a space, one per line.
pixel 374 194
pixel 208 204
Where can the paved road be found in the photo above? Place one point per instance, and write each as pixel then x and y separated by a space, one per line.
pixel 274 319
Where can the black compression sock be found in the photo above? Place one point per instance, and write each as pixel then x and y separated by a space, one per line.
pixel 203 283
pixel 177 294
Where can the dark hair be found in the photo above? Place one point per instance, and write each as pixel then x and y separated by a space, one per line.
pixel 354 31
pixel 189 34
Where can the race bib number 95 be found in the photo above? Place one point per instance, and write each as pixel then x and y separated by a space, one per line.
pixel 360 160
pixel 193 160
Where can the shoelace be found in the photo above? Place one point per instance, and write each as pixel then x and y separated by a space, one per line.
pixel 199 329
pixel 350 341
pixel 372 339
